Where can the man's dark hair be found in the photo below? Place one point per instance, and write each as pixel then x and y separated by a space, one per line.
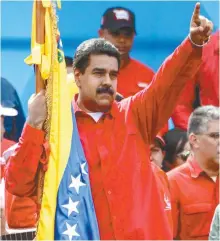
pixel 90 47
pixel 159 144
pixel 175 140
pixel 69 61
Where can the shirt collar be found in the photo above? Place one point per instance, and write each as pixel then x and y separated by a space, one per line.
pixel 194 167
pixel 113 112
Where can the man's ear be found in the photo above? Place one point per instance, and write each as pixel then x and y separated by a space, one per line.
pixel 77 75
pixel 193 141
pixel 101 33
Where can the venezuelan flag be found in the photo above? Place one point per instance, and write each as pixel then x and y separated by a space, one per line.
pixel 67 210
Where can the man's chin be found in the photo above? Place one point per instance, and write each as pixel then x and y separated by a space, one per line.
pixel 105 105
pixel 123 54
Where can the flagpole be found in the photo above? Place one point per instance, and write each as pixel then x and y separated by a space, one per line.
pixel 40 39
pixel 40 36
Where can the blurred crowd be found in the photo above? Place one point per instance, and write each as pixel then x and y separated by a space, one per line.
pixel 184 159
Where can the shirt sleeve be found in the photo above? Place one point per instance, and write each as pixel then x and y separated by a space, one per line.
pixel 21 168
pixel 153 106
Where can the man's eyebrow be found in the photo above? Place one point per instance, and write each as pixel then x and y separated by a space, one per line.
pixel 98 69
pixel 115 71
pixel 104 70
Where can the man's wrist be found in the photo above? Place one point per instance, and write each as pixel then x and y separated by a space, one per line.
pixel 200 45
pixel 33 124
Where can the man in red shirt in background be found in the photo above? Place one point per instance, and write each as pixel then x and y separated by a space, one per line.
pixel 115 136
pixel 118 27
pixel 194 185
pixel 207 80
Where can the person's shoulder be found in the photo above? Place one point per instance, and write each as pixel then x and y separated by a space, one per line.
pixel 157 169
pixel 159 172
pixel 178 171
pixel 141 66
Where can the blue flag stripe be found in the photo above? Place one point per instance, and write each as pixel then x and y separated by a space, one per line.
pixel 75 217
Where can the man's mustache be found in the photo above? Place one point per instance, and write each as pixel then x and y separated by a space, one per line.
pixel 105 90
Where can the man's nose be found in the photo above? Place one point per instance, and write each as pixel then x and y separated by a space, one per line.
pixel 107 80
pixel 121 38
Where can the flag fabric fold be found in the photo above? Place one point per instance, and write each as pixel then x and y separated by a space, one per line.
pixel 67 210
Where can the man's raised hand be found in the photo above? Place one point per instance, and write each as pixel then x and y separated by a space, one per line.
pixel 200 27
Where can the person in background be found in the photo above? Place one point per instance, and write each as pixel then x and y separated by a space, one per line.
pixel 205 82
pixel 6 112
pixel 157 151
pixel 10 98
pixel 5 144
pixel 177 149
pixel 215 225
pixel 69 64
pixel 156 157
pixel 118 27
pixel 194 186
pixel 16 212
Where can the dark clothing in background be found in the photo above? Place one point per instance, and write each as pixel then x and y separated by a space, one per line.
pixel 9 98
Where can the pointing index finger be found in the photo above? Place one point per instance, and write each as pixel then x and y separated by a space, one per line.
pixel 196 11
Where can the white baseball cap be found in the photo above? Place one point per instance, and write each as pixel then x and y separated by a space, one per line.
pixel 8 111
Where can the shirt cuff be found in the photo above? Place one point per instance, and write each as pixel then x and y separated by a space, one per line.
pixel 190 46
pixel 32 134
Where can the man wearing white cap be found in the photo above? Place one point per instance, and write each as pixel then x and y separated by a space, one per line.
pixel 6 111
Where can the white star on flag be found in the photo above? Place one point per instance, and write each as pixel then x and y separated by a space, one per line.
pixel 71 231
pixel 76 183
pixel 71 207
pixel 83 168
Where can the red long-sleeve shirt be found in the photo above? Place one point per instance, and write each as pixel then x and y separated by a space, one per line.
pixel 194 197
pixel 207 80
pixel 125 193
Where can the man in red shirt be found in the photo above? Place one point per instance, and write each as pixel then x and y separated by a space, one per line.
pixel 118 27
pixel 115 136
pixel 194 185
pixel 207 80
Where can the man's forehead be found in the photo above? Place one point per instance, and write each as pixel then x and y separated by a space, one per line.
pixel 155 146
pixel 213 126
pixel 103 62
